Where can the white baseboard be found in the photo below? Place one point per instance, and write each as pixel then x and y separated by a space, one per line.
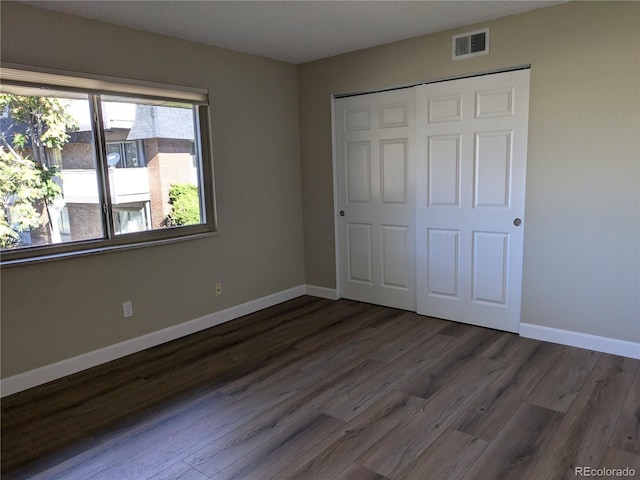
pixel 322 292
pixel 39 376
pixel 581 340
pixel 45 374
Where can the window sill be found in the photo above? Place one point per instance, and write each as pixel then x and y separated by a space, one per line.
pixel 98 250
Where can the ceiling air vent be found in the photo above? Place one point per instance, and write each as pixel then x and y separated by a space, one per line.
pixel 470 44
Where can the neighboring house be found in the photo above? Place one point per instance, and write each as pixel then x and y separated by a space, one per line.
pixel 149 148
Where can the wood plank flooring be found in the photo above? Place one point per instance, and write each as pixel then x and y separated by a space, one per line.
pixel 322 390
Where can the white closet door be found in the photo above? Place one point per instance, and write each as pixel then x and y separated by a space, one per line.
pixel 376 197
pixel 472 151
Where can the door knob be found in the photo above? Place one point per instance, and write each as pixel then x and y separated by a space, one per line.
pixel 517 222
pixel 342 213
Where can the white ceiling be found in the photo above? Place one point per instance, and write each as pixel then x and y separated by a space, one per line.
pixel 293 31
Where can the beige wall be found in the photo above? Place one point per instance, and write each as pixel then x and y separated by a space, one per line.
pixel 53 311
pixel 272 123
pixel 582 226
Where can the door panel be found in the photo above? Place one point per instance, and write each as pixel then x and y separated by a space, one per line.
pixel 443 157
pixel 375 183
pixel 443 262
pixel 472 144
pixel 496 102
pixel 490 266
pixel 395 257
pixel 392 116
pixel 359 253
pixel 445 108
pixel 491 169
pixel 357 119
pixel 358 181
pixel 393 158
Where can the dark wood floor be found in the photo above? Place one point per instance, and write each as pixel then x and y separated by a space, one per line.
pixel 315 389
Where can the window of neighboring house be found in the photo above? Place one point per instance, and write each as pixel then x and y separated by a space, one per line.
pixel 64 225
pixel 54 157
pixel 90 170
pixel 132 218
pixel 125 154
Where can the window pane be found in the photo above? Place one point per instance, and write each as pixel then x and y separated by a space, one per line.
pixel 132 218
pixel 114 154
pixel 155 183
pixel 48 180
pixel 131 154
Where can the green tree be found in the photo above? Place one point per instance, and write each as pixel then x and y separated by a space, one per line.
pixel 37 126
pixel 185 205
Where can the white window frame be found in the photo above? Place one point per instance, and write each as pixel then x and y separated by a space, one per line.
pixel 94 86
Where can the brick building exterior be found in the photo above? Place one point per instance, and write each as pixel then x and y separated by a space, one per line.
pixel 162 141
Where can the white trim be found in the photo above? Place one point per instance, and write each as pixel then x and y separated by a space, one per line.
pixel 38 376
pixel 336 206
pixel 322 292
pixel 581 340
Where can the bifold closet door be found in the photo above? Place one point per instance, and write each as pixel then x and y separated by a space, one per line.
pixel 376 197
pixel 470 192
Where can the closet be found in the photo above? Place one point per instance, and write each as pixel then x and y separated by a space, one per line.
pixel 430 197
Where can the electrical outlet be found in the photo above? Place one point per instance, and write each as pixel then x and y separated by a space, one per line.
pixel 127 309
pixel 218 289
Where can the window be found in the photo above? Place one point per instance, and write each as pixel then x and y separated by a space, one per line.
pixel 85 169
pixel 132 218
pixel 126 154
